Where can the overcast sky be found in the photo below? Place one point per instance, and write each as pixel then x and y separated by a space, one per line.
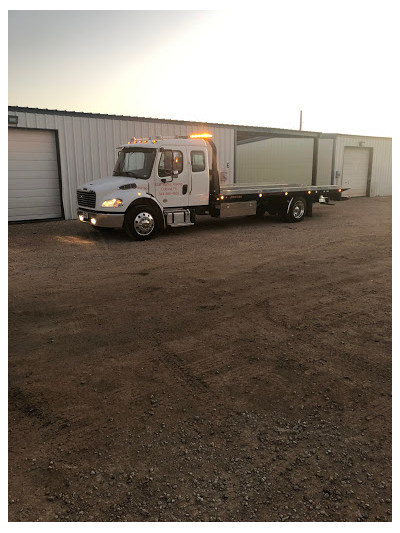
pixel 243 66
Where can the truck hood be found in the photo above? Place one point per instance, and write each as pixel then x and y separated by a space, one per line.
pixel 112 183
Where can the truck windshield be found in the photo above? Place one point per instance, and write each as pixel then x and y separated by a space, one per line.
pixel 135 162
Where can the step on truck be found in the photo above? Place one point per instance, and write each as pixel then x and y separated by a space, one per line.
pixel 169 181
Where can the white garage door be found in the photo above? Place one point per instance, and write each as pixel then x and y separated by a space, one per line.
pixel 355 170
pixel 33 180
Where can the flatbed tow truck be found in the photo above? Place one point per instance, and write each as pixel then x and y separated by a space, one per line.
pixel 168 181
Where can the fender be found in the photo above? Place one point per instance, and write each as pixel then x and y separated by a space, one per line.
pixel 149 200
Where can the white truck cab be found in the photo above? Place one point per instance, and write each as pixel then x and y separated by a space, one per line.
pixel 170 176
pixel 168 181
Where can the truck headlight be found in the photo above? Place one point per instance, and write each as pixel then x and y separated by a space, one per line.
pixel 115 202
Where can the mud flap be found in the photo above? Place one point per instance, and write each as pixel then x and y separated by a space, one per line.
pixel 309 207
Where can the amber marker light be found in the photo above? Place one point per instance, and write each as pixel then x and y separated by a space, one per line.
pixel 260 195
pixel 339 190
pixel 201 136
pixel 286 193
pixel 309 192
pixel 222 196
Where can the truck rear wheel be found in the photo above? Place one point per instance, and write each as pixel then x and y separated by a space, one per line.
pixel 297 209
pixel 141 223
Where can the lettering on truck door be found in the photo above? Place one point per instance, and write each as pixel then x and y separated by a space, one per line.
pixel 173 192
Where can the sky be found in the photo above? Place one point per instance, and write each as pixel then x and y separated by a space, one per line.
pixel 245 65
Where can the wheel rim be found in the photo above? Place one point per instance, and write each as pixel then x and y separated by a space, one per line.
pixel 143 223
pixel 298 209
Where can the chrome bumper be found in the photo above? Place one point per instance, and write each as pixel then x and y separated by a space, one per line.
pixel 103 220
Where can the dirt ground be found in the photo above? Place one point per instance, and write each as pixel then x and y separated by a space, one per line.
pixel 238 370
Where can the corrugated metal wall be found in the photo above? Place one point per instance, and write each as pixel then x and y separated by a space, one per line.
pixel 88 145
pixel 324 167
pixel 381 172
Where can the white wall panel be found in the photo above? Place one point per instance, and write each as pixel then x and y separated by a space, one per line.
pixel 324 167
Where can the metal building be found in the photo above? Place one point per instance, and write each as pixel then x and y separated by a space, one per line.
pixel 362 164
pixel 51 153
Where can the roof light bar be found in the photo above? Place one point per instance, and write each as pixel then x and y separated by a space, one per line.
pixel 145 140
pixel 200 136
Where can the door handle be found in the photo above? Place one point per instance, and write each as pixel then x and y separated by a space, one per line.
pixel 184 189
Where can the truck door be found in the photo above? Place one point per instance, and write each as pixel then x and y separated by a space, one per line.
pixel 200 180
pixel 173 191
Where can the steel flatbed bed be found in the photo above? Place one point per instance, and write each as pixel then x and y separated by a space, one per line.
pixel 245 189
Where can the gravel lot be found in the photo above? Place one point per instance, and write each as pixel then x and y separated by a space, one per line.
pixel 239 370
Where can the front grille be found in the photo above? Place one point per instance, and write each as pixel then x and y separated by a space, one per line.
pixel 86 198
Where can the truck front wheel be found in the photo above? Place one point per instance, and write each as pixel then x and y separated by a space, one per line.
pixel 297 209
pixel 141 222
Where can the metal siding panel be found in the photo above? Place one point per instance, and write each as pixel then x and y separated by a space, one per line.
pixel 324 161
pixel 66 156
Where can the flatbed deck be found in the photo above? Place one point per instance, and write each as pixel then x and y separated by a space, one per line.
pixel 244 189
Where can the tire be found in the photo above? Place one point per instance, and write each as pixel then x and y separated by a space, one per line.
pixel 297 210
pixel 141 222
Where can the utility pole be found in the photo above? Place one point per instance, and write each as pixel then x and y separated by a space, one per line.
pixel 301 119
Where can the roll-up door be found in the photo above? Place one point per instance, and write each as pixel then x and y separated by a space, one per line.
pixel 33 176
pixel 355 170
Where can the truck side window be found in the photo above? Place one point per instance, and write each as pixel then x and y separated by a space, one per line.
pixel 198 161
pixel 177 162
